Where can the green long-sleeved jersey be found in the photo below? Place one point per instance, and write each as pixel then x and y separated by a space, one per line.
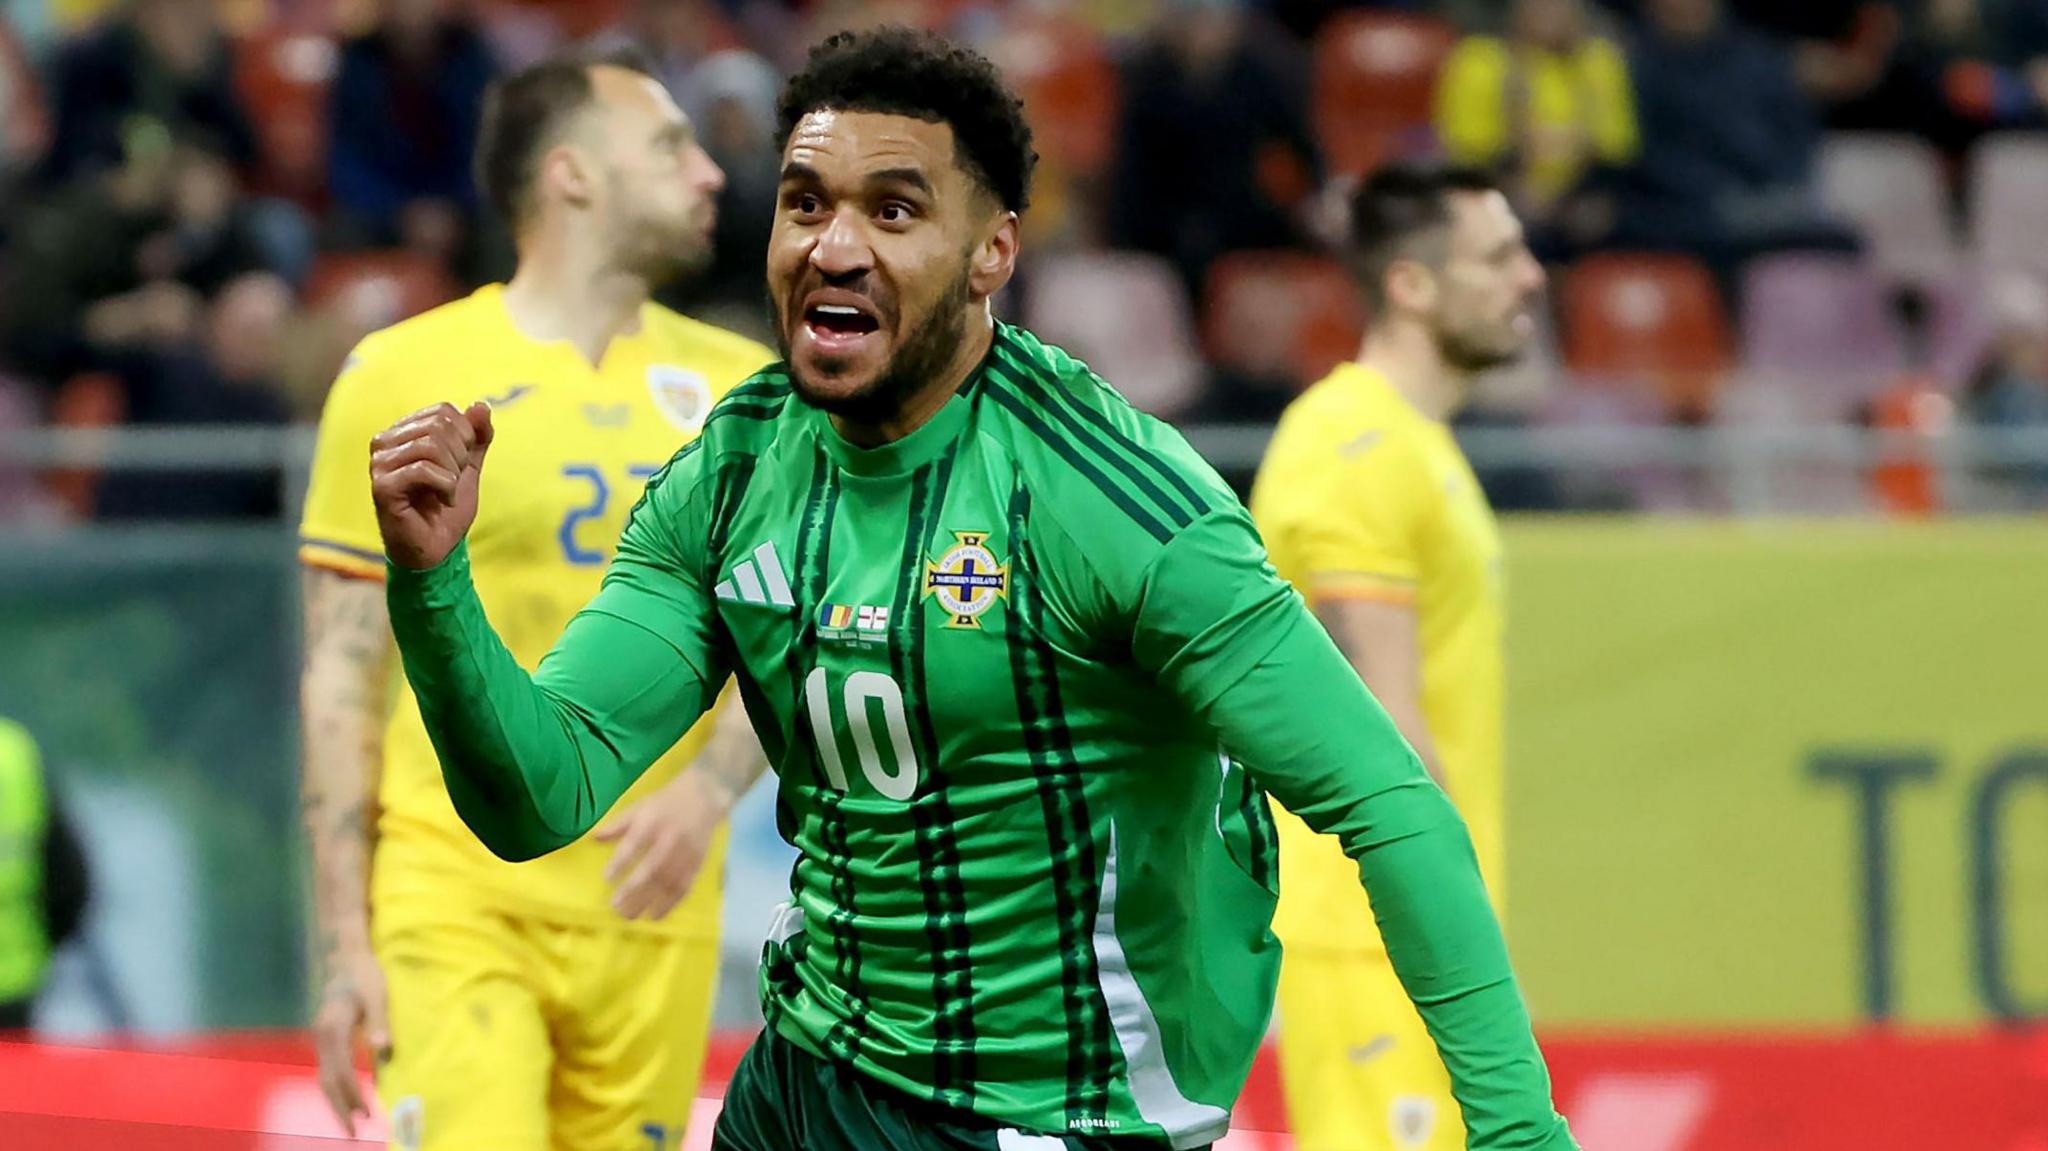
pixel 1026 677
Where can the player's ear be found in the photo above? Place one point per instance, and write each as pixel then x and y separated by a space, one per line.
pixel 995 257
pixel 1411 286
pixel 565 169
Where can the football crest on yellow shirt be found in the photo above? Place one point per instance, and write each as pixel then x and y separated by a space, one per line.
pixel 1412 1120
pixel 409 1123
pixel 682 395
pixel 967 580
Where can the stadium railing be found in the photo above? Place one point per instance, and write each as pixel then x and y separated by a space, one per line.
pixel 1751 470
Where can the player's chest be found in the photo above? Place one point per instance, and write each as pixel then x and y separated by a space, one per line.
pixel 567 464
pixel 1465 536
pixel 897 589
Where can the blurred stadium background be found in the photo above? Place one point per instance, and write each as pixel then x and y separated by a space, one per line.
pixel 1774 480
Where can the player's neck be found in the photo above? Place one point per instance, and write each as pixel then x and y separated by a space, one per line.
pixel 554 295
pixel 919 407
pixel 1413 367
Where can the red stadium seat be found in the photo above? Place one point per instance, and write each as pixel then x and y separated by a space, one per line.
pixel 86 401
pixel 1282 314
pixel 377 289
pixel 1654 318
pixel 1069 85
pixel 1375 82
pixel 282 76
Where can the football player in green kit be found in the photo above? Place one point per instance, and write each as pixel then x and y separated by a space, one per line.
pixel 1021 664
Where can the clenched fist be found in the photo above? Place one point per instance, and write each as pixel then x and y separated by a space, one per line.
pixel 423 475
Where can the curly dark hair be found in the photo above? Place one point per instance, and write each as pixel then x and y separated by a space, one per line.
pixel 905 72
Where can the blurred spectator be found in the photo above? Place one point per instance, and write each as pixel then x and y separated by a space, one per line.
pixel 1843 51
pixel 1728 142
pixel 228 374
pixel 1991 57
pixel 33 27
pixel 1215 152
pixel 678 36
pixel 403 123
pixel 44 884
pixel 737 91
pixel 24 122
pixel 24 500
pixel 1858 61
pixel 124 260
pixel 1304 18
pixel 2009 390
pixel 1547 107
pixel 160 68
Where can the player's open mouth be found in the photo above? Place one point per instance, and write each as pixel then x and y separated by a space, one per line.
pixel 837 328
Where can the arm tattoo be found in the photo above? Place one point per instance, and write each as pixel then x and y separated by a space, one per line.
pixel 343 690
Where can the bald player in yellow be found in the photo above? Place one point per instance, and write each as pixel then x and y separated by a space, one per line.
pixel 561 1004
pixel 1370 509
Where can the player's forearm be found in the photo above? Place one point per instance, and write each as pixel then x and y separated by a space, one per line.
pixel 342 701
pixel 533 761
pixel 1406 714
pixel 732 760
pixel 1318 742
pixel 1379 641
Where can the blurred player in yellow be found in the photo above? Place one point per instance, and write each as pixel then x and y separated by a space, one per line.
pixel 1370 509
pixel 562 1004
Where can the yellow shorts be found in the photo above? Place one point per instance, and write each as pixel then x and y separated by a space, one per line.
pixel 1359 1070
pixel 509 1034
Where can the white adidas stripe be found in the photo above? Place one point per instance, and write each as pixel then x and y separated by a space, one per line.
pixel 771 570
pixel 750 583
pixel 760 580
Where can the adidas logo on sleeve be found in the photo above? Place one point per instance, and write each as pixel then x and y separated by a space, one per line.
pixel 759 580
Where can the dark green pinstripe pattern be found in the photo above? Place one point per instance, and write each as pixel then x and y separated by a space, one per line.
pixel 940 881
pixel 746 410
pixel 728 489
pixel 1171 473
pixel 1069 834
pixel 1005 394
pixel 1265 837
pixel 810 563
pixel 1092 430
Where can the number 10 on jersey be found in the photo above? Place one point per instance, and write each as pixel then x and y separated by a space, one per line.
pixel 864 694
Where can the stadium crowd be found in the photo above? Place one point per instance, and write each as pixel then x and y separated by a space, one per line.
pixel 1821 212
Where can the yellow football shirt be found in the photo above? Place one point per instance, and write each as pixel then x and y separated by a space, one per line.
pixel 573 448
pixel 1362 496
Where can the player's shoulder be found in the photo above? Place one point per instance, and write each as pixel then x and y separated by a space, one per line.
pixel 409 365
pixel 434 334
pixel 748 420
pixel 704 346
pixel 415 360
pixel 743 429
pixel 1084 447
pixel 1340 417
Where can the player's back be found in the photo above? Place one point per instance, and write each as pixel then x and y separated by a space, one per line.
pixel 1027 875
pixel 1361 496
pixel 574 444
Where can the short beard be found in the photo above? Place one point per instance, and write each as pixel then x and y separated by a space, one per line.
pixel 1470 357
pixel 661 264
pixel 643 250
pixel 911 369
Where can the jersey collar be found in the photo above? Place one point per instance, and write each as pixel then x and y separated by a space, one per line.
pixel 901 457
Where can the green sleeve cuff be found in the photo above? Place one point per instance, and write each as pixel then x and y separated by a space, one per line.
pixel 445 585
